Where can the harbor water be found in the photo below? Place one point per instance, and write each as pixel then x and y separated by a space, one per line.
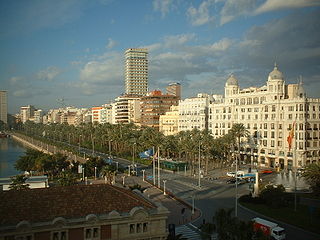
pixel 10 151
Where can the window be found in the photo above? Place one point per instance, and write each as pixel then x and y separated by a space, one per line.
pixel 62 235
pixel 145 227
pixel 24 237
pixel 92 233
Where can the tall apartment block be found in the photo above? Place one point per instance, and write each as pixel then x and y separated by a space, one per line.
pixel 136 71
pixel 3 106
pixel 174 89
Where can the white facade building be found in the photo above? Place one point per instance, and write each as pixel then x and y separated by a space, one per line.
pixel 269 113
pixel 193 112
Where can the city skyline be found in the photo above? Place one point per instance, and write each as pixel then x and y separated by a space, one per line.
pixel 75 49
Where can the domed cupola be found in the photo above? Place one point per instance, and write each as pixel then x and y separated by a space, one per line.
pixel 275 74
pixel 232 81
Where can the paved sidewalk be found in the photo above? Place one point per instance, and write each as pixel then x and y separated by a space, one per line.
pixel 180 212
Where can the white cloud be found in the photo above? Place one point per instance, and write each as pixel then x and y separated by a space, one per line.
pixel 14 80
pixel 273 5
pixel 201 15
pixel 176 40
pixel 111 43
pixel 48 74
pixel 235 8
pixel 162 6
pixel 103 72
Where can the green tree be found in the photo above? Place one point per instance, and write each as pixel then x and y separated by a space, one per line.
pixel 312 176
pixel 67 178
pixel 19 182
pixel 273 195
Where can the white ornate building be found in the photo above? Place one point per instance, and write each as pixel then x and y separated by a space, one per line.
pixel 193 112
pixel 269 113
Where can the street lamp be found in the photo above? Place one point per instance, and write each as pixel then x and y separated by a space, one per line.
pixel 143 170
pixel 133 153
pixel 110 148
pixel 164 187
pixel 192 205
pixel 79 142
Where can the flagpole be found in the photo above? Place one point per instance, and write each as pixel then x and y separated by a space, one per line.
pixel 154 167
pixel 295 169
pixel 158 167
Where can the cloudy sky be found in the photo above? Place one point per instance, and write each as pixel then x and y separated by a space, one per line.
pixel 74 49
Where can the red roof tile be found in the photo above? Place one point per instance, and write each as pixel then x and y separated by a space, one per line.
pixel 45 204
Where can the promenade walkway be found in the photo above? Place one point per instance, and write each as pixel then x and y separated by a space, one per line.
pixel 180 211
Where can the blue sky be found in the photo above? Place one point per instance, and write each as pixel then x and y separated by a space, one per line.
pixel 74 49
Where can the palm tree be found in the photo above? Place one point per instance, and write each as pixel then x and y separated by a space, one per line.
pixel 239 131
pixel 19 182
pixel 312 176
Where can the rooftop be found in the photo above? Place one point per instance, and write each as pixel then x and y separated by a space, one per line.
pixel 45 204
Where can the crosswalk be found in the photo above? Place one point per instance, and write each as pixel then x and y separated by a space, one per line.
pixel 189 232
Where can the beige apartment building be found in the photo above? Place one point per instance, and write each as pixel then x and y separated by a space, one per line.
pixel 168 123
pixel 136 71
pixel 271 113
pixel 3 106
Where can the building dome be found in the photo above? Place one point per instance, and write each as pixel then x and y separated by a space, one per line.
pixel 232 81
pixel 275 74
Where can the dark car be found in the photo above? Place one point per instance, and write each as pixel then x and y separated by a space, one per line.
pixel 231 181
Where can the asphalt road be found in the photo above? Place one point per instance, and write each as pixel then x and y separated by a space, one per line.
pixel 217 194
pixel 211 196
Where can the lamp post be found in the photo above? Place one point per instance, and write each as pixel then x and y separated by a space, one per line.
pixel 192 205
pixel 123 177
pixel 92 139
pixel 133 156
pixel 164 187
pixel 79 142
pixel 110 148
pixel 236 204
pixel 143 170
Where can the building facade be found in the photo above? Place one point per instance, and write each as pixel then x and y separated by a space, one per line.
pixel 123 104
pixel 80 212
pixel 271 113
pixel 154 105
pixel 174 89
pixel 136 71
pixel 193 112
pixel 168 123
pixel 26 113
pixel 3 106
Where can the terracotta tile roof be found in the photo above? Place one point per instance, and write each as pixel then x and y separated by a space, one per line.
pixel 45 204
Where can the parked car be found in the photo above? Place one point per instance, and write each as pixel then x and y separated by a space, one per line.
pixel 231 174
pixel 231 181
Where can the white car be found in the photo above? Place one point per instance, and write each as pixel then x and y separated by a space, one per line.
pixel 231 174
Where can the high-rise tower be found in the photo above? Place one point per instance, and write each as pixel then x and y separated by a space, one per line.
pixel 136 72
pixel 3 106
